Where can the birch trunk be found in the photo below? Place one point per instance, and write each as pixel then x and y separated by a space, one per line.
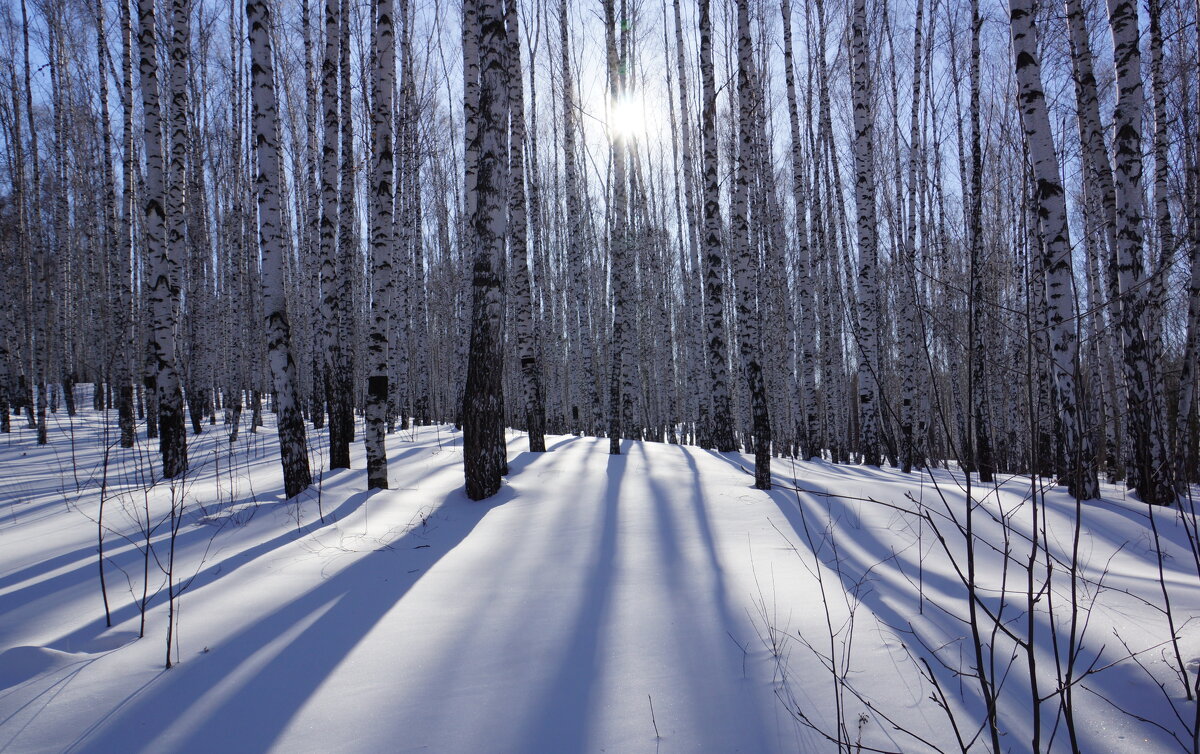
pixel 619 240
pixel 1162 218
pixel 382 246
pixel 162 292
pixel 809 411
pixel 581 363
pixel 121 228
pixel 483 448
pixel 20 388
pixel 417 301
pixel 531 380
pixel 311 345
pixel 714 255
pixel 909 332
pixel 1188 426
pixel 1050 205
pixel 348 258
pixel 331 306
pixel 1150 469
pixel 744 254
pixel 981 455
pixel 864 191
pixel 1100 192
pixel 293 447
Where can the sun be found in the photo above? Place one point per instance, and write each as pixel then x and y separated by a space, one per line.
pixel 627 117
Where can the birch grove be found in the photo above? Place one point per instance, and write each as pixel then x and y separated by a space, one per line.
pixel 913 234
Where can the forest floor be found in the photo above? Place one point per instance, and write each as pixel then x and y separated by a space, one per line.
pixel 647 602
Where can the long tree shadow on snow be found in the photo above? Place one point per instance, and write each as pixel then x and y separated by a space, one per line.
pixel 193 536
pixel 880 577
pixel 562 714
pixel 291 650
pixel 752 722
pixel 865 565
pixel 122 553
pixel 123 537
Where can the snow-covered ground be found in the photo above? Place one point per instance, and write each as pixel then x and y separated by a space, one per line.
pixel 648 602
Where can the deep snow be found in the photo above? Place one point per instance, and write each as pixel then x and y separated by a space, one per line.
pixel 651 601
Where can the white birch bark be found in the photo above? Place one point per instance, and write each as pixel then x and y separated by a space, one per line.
pixel 293 447
pixel 348 256
pixel 619 240
pixel 697 396
pixel 714 256
pixel 483 448
pixel 331 306
pixel 382 245
pixel 19 387
pixel 123 240
pixel 417 296
pixel 581 363
pixel 1099 192
pixel 306 128
pixel 1187 469
pixel 744 254
pixel 981 454
pixel 1079 472
pixel 162 292
pixel 1186 407
pixel 909 332
pixel 867 327
pixel 1150 470
pixel 805 334
pixel 1155 310
pixel 533 405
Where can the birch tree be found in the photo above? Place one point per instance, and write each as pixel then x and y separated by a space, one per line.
pixel 483 448
pixel 293 447
pixel 581 360
pixel 806 300
pixel 620 398
pixel 162 292
pixel 745 258
pixel 342 401
pixel 1051 209
pixel 382 246
pixel 531 378
pixel 980 453
pixel 1100 208
pixel 908 330
pixel 864 191
pixel 331 303
pixel 714 255
pixel 1150 470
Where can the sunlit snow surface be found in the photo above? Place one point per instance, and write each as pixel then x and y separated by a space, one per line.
pixel 555 616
